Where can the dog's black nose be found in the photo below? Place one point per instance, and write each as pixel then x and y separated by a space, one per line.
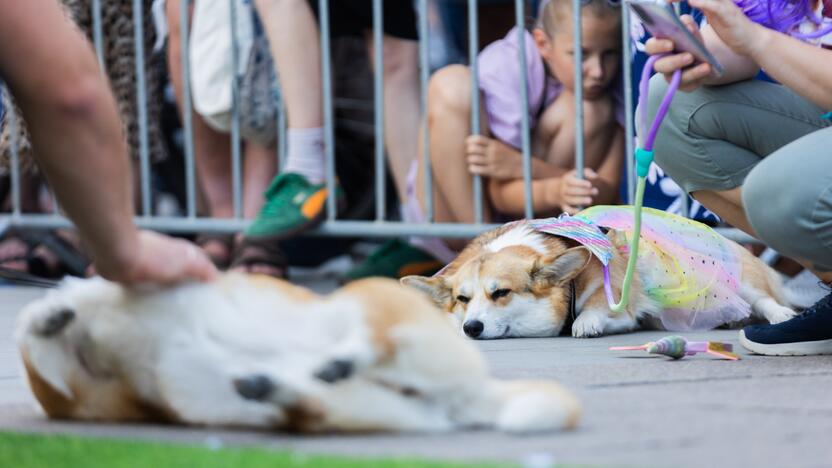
pixel 473 328
pixel 254 387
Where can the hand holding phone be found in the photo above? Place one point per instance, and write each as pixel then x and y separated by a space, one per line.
pixel 680 35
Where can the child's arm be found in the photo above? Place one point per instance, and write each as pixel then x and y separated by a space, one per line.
pixel 564 192
pixel 490 157
pixel 609 173
pixel 508 196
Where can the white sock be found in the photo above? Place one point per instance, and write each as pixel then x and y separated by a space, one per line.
pixel 306 153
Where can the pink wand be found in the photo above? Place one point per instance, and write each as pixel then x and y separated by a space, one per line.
pixel 678 347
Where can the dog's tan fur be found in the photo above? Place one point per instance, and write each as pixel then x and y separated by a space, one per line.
pixel 193 354
pixel 537 269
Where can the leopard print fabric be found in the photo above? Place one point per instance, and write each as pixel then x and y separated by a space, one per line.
pixel 119 53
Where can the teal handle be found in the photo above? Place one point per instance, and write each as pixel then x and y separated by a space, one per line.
pixel 643 160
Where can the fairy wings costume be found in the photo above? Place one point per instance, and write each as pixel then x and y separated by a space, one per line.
pixel 685 266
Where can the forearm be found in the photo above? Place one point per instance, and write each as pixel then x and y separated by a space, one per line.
pixel 74 125
pixel 509 196
pixel 540 168
pixel 802 67
pixel 737 67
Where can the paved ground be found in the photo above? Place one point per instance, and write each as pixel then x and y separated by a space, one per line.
pixel 639 410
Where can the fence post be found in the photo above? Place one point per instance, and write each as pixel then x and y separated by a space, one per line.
pixel 329 131
pixel 424 73
pixel 578 62
pixel 627 72
pixel 524 119
pixel 378 104
pixel 141 106
pixel 236 171
pixel 187 109
pixel 473 49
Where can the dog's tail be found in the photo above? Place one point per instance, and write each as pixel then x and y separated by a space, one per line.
pixel 534 406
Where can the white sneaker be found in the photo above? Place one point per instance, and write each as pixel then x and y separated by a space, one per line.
pixel 804 289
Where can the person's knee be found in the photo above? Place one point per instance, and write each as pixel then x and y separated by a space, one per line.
pixel 778 215
pixel 79 97
pixel 449 90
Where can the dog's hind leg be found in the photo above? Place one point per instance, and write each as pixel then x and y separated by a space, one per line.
pixel 762 288
pixel 518 406
pixel 764 306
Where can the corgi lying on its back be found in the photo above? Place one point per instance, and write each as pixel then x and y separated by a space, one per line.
pixel 517 281
pixel 257 352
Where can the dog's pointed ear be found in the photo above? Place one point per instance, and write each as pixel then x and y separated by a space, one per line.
pixel 563 268
pixel 434 286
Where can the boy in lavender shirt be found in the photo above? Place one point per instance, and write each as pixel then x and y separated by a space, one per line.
pixel 496 153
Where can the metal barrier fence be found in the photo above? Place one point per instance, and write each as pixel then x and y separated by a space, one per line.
pixel 332 226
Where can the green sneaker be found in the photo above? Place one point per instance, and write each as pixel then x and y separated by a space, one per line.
pixel 395 259
pixel 293 205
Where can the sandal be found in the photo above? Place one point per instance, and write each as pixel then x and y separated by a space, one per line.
pixel 39 257
pixel 21 278
pixel 260 257
pixel 222 243
pixel 56 255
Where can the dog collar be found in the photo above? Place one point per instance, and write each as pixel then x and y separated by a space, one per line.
pixel 573 314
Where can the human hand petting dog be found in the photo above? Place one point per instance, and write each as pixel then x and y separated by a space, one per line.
pixel 490 157
pixel 153 258
pixel 574 194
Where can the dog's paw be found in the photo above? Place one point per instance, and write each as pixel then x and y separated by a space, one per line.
pixel 56 321
pixel 52 320
pixel 335 370
pixel 772 311
pixel 589 325
pixel 779 314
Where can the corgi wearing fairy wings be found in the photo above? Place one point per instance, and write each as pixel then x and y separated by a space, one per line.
pixel 542 277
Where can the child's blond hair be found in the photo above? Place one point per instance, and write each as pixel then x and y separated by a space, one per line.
pixel 553 12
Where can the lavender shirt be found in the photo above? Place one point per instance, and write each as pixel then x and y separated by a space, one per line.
pixel 499 83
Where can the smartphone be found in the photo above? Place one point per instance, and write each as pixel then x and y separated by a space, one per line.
pixel 661 20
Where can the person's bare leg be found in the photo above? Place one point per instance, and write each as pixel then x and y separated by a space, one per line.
pixel 293 36
pixel 401 104
pixel 260 166
pixel 292 31
pixel 212 149
pixel 449 111
pixel 727 204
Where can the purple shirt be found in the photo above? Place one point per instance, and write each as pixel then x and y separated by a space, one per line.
pixel 499 83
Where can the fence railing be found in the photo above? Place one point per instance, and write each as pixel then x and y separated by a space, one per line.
pixel 332 226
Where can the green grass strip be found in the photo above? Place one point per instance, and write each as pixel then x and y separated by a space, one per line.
pixel 59 451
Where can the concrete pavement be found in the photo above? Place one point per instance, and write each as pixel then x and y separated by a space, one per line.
pixel 639 410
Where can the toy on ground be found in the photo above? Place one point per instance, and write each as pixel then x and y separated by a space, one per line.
pixel 677 347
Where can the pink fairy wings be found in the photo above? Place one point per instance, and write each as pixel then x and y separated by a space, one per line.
pixel 685 266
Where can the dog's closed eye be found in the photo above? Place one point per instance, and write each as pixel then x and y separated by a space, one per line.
pixel 500 293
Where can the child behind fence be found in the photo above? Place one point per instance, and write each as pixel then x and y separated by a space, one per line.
pixel 496 155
